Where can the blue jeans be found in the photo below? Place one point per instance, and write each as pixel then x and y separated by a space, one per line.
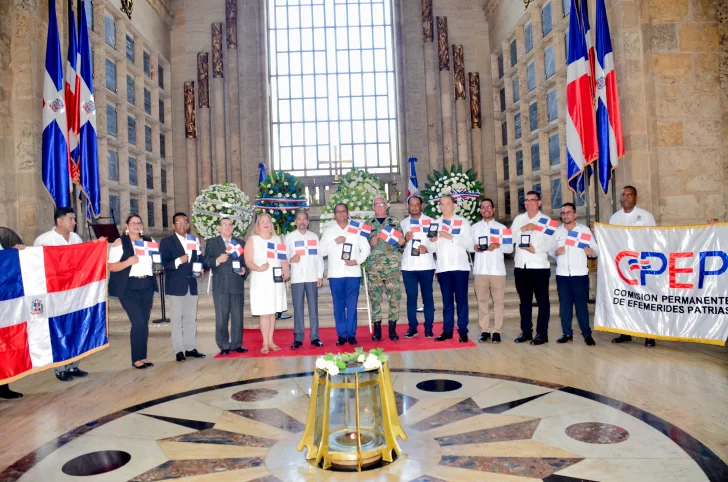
pixel 454 288
pixel 345 292
pixel 424 279
pixel 574 290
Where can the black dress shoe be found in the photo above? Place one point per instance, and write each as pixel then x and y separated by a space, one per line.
pixel 64 376
pixel 523 338
pixel 8 394
pixel 444 336
pixel 77 373
pixel 352 341
pixel 240 349
pixel 622 339
pixel 496 338
pixel 539 340
pixel 282 316
pixel 138 367
pixel 297 344
pixel 650 342
pixel 429 333
pixel 589 341
pixel 410 333
pixel 148 364
pixel 181 356
pixel 565 338
pixel 224 352
pixel 194 353
pixel 483 337
pixel 341 341
pixel 463 338
pixel 317 343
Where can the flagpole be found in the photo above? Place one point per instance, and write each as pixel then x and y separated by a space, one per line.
pixel 586 195
pixel 614 192
pixel 596 190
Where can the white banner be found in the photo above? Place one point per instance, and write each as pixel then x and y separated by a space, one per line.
pixel 668 283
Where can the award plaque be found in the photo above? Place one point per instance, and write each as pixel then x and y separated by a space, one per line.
pixel 416 247
pixel 346 251
pixel 483 243
pixel 434 228
pixel 278 274
pixel 525 241
pixel 157 262
pixel 197 270
pixel 236 266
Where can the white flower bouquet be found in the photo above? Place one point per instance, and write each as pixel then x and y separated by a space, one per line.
pixel 463 186
pixel 357 190
pixel 221 201
pixel 333 364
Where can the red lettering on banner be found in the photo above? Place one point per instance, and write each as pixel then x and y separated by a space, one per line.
pixel 674 270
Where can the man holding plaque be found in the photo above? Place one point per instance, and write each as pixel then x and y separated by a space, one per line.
pixel 573 244
pixel 224 256
pixel 418 267
pixel 183 267
pixel 384 266
pixel 533 269
pixel 346 244
pixel 489 269
pixel 307 273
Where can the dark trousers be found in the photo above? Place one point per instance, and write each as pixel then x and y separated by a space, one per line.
pixel 310 290
pixel 345 292
pixel 574 291
pixel 528 283
pixel 137 302
pixel 424 279
pixel 454 288
pixel 228 307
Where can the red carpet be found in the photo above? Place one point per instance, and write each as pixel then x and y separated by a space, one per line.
pixel 253 341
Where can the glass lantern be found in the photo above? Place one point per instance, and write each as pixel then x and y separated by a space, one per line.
pixel 352 421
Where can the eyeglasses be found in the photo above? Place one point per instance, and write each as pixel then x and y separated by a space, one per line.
pixel 564 213
pixel 379 205
pixel 134 223
pixel 534 200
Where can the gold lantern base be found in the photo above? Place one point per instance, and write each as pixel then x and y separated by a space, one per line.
pixel 371 445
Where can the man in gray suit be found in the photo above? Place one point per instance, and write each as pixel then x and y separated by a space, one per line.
pixel 222 253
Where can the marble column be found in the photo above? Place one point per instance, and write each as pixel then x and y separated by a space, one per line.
pixel 433 141
pixel 460 106
pixel 443 53
pixel 231 24
pixel 203 103
pixel 191 142
pixel 218 100
pixel 476 134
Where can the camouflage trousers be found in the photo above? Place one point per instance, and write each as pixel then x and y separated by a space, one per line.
pixel 381 283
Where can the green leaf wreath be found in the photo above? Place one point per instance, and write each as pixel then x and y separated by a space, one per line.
pixel 280 195
pixel 221 201
pixel 357 190
pixel 463 186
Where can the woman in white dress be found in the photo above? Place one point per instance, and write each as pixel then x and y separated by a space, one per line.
pixel 267 296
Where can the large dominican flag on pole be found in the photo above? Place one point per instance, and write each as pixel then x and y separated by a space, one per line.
pixel 590 52
pixel 609 121
pixel 413 188
pixel 73 87
pixel 52 306
pixel 55 144
pixel 88 144
pixel 581 132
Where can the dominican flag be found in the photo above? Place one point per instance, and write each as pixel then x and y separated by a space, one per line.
pixel 234 249
pixel 581 133
pixel 546 225
pixel 302 248
pixel 312 246
pixel 365 230
pixel 390 235
pixel 354 227
pixel 501 236
pixel 609 121
pixel 52 306
pixel 452 226
pixel 580 240
pixel 590 51
pixel 277 251
pixel 193 244
pixel 55 143
pixel 88 158
pixel 73 88
pixel 145 248
pixel 299 247
pixel 412 186
pixel 415 226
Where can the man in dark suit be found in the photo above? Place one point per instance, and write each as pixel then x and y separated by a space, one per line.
pixel 227 286
pixel 179 255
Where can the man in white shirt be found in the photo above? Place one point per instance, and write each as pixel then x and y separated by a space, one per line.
pixel 419 269
pixel 346 251
pixel 631 215
pixel 307 276
pixel 532 271
pixel 63 235
pixel 572 273
pixel 489 271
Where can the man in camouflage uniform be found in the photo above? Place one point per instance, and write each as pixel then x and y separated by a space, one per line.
pixel 383 269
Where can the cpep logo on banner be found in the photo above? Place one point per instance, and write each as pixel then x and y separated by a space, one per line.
pixel 663 282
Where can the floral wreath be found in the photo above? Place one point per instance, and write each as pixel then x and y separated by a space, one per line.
pixel 221 201
pixel 280 195
pixel 333 364
pixel 357 190
pixel 464 187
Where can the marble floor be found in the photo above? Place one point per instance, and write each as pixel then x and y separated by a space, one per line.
pixel 492 413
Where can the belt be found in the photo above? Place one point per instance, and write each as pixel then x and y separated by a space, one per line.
pixel 140 277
